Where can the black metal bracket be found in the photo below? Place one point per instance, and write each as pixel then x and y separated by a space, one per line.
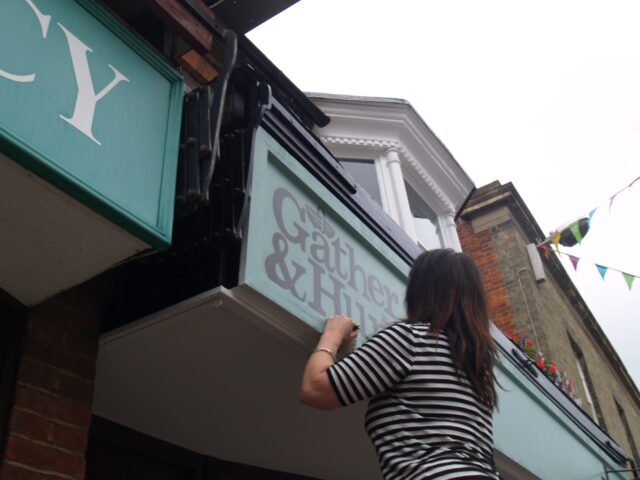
pixel 202 118
pixel 217 106
pixel 633 469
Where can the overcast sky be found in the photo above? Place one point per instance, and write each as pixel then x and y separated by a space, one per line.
pixel 543 94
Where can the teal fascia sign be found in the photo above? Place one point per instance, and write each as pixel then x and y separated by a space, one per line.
pixel 531 430
pixel 308 253
pixel 90 108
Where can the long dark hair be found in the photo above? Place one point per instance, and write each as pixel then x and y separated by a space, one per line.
pixel 445 290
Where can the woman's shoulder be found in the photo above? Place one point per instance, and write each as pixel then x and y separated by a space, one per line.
pixel 420 331
pixel 417 332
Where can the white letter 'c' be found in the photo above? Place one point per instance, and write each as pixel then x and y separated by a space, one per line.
pixel 44 20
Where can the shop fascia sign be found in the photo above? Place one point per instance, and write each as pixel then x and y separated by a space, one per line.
pixel 310 254
pixel 86 98
pixel 69 81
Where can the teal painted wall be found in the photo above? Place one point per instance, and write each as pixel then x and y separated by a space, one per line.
pixel 290 256
pixel 130 176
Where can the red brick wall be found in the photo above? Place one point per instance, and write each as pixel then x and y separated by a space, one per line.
pixel 51 414
pixel 481 249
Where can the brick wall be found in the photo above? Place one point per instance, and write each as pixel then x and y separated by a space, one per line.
pixel 51 413
pixel 481 249
pixel 544 313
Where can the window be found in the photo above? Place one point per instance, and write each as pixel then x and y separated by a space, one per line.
pixel 400 196
pixel 425 220
pixel 587 384
pixel 627 430
pixel 365 174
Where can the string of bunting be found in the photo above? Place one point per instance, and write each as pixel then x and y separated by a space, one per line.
pixel 554 238
pixel 602 270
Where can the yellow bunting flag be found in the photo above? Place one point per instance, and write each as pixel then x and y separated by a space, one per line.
pixel 555 239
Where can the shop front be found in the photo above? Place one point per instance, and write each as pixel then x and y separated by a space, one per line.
pixel 207 314
pixel 217 374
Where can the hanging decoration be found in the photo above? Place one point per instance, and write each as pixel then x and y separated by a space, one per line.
pixel 620 191
pixel 629 279
pixel 602 270
pixel 546 249
pixel 579 228
pixel 574 262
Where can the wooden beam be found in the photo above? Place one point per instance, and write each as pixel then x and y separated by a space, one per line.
pixel 185 23
pixel 198 67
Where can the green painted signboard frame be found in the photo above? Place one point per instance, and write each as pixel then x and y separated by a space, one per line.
pixel 122 163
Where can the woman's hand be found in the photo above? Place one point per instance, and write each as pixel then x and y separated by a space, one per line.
pixel 341 328
pixel 316 390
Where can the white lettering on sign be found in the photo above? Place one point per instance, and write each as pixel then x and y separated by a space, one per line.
pixel 87 98
pixel 44 20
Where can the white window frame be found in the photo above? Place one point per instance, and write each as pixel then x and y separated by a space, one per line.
pixel 426 195
pixel 394 165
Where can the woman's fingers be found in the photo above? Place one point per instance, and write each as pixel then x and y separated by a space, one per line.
pixel 340 324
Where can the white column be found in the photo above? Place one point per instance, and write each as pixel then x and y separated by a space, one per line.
pixel 399 201
pixel 450 232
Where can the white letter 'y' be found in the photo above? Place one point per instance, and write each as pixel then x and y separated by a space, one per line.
pixel 87 98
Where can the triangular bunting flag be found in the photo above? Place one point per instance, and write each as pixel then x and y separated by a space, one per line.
pixel 602 270
pixel 629 279
pixel 574 261
pixel 545 248
pixel 575 229
pixel 611 201
pixel 592 212
pixel 555 239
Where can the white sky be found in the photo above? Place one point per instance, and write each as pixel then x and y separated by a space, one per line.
pixel 543 94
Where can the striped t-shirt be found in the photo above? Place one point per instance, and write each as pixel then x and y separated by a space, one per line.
pixel 424 419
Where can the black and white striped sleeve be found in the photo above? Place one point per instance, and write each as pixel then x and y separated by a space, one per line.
pixel 383 361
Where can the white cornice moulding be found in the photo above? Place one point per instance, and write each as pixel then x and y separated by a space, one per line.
pixel 439 199
pixel 379 123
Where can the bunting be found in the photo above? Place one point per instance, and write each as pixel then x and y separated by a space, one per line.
pixel 574 262
pixel 629 278
pixel 619 192
pixel 575 229
pixel 554 237
pixel 545 248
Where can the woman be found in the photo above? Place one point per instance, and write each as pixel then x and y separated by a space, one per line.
pixel 430 378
